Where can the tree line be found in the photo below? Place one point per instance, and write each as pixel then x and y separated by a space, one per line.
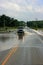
pixel 35 24
pixel 6 21
pixel 10 22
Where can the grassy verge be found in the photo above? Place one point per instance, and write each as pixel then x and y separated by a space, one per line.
pixel 37 28
pixel 7 29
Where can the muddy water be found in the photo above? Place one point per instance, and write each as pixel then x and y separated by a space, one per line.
pixel 7 41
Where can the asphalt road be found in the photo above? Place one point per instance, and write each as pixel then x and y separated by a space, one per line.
pixel 28 51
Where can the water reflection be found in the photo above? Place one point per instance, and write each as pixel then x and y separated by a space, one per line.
pixel 4 38
pixel 7 41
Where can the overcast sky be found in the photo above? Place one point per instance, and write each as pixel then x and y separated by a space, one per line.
pixel 22 9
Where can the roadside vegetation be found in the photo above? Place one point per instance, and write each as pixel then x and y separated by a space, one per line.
pixel 35 24
pixel 7 23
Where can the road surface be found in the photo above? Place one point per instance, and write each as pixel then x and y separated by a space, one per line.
pixel 28 51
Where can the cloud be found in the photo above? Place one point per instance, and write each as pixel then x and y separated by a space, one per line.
pixel 9 5
pixel 30 8
pixel 39 10
pixel 21 8
pixel 15 6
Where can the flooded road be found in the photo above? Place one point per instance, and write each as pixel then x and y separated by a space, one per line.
pixel 29 50
pixel 7 41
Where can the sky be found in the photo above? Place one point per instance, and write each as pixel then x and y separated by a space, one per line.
pixel 25 10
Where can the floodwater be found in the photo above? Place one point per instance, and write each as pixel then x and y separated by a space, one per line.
pixel 30 49
pixel 7 40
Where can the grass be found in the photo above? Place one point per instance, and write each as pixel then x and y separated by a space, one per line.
pixel 7 29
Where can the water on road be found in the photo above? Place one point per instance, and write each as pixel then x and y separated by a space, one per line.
pixel 7 41
pixel 30 51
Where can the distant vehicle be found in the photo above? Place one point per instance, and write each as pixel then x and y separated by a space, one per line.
pixel 20 32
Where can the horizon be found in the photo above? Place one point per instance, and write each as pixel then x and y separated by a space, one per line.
pixel 22 20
